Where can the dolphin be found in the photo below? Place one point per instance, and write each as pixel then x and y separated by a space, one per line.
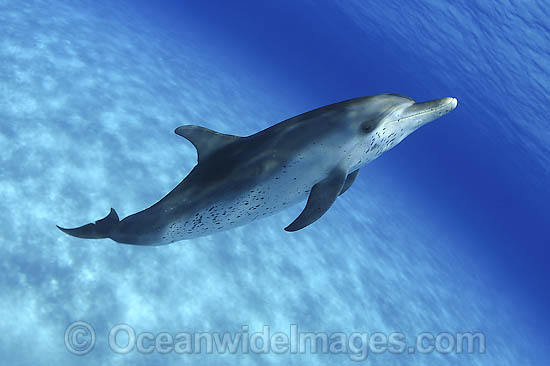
pixel 315 155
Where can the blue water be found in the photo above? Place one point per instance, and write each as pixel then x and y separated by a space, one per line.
pixel 447 232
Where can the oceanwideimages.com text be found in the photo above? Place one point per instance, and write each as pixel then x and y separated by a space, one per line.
pixel 80 339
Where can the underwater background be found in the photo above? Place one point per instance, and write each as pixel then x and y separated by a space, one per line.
pixel 447 232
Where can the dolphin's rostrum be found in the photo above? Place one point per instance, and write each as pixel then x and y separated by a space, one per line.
pixel 316 155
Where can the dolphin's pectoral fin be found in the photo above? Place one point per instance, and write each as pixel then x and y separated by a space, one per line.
pixel 205 141
pixel 349 181
pixel 322 196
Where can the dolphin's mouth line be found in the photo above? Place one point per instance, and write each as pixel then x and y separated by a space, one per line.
pixel 423 112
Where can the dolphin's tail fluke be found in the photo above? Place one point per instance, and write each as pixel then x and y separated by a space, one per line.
pixel 99 230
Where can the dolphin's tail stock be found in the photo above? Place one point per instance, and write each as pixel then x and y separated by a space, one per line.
pixel 99 230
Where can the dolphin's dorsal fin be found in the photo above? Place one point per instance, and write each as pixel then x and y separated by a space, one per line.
pixel 205 141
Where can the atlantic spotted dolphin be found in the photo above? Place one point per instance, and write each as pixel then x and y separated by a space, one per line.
pixel 316 155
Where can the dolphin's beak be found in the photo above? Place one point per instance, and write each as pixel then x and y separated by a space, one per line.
pixel 449 103
pixel 444 105
pixel 454 102
pixel 424 112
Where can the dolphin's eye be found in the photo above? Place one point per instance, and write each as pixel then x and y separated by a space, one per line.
pixel 367 127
